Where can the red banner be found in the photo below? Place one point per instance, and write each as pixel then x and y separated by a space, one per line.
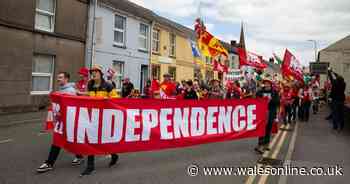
pixel 292 67
pixel 85 125
pixel 250 59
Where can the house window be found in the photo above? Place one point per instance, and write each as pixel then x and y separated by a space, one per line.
pixel 119 68
pixel 172 45
pixel 156 41
pixel 45 15
pixel 232 62
pixel 42 74
pixel 119 30
pixel 172 71
pixel 156 72
pixel 143 37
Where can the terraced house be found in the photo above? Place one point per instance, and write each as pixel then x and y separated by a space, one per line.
pixel 122 37
pixel 139 44
pixel 172 52
pixel 39 38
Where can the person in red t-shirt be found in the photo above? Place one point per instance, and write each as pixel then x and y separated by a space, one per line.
pixel 167 88
pixel 305 95
pixel 81 85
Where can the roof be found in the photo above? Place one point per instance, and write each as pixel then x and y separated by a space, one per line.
pixel 149 15
pixel 228 47
pixel 131 8
pixel 343 44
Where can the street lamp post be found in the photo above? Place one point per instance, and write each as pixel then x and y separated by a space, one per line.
pixel 315 48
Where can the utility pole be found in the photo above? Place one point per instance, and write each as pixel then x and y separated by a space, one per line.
pixel 315 48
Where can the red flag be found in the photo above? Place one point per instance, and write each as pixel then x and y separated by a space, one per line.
pixel 250 59
pixel 218 66
pixel 292 67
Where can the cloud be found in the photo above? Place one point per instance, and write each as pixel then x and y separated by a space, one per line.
pixel 270 25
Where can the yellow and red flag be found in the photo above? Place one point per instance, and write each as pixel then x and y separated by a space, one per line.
pixel 208 44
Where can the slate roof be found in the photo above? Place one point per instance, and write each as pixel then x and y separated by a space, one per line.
pixel 149 15
pixel 343 44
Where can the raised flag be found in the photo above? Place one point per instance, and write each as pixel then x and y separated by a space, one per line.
pixel 278 60
pixel 208 44
pixel 292 67
pixel 195 51
pixel 250 59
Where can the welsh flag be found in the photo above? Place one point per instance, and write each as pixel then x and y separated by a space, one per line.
pixel 250 59
pixel 278 60
pixel 291 67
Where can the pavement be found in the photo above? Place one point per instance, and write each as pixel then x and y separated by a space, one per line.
pixel 23 147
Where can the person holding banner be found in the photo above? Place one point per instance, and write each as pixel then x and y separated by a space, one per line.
pixel 81 85
pixel 66 88
pixel 98 87
pixel 167 89
pixel 216 92
pixel 268 92
pixel 190 93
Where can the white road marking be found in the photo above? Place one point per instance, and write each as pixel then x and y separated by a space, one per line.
pixel 251 179
pixel 263 178
pixel 283 179
pixel 6 141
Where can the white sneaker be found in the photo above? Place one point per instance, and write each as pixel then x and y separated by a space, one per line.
pixel 44 168
pixel 77 161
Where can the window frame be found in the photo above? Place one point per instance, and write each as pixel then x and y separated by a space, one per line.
pixel 118 73
pixel 172 45
pixel 156 41
pixel 119 30
pixel 46 13
pixel 41 74
pixel 158 73
pixel 173 75
pixel 145 37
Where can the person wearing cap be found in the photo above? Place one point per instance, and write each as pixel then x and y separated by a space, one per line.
pixel 127 87
pixel 268 92
pixel 167 89
pixel 81 85
pixel 98 87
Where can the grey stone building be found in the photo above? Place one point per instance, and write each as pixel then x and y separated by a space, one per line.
pixel 338 56
pixel 39 38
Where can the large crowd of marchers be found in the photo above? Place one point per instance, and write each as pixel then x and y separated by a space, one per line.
pixel 289 101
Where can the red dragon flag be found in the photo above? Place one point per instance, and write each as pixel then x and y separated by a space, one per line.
pixel 291 66
pixel 208 44
pixel 250 59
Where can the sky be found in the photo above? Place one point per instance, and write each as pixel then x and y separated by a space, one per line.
pixel 270 26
